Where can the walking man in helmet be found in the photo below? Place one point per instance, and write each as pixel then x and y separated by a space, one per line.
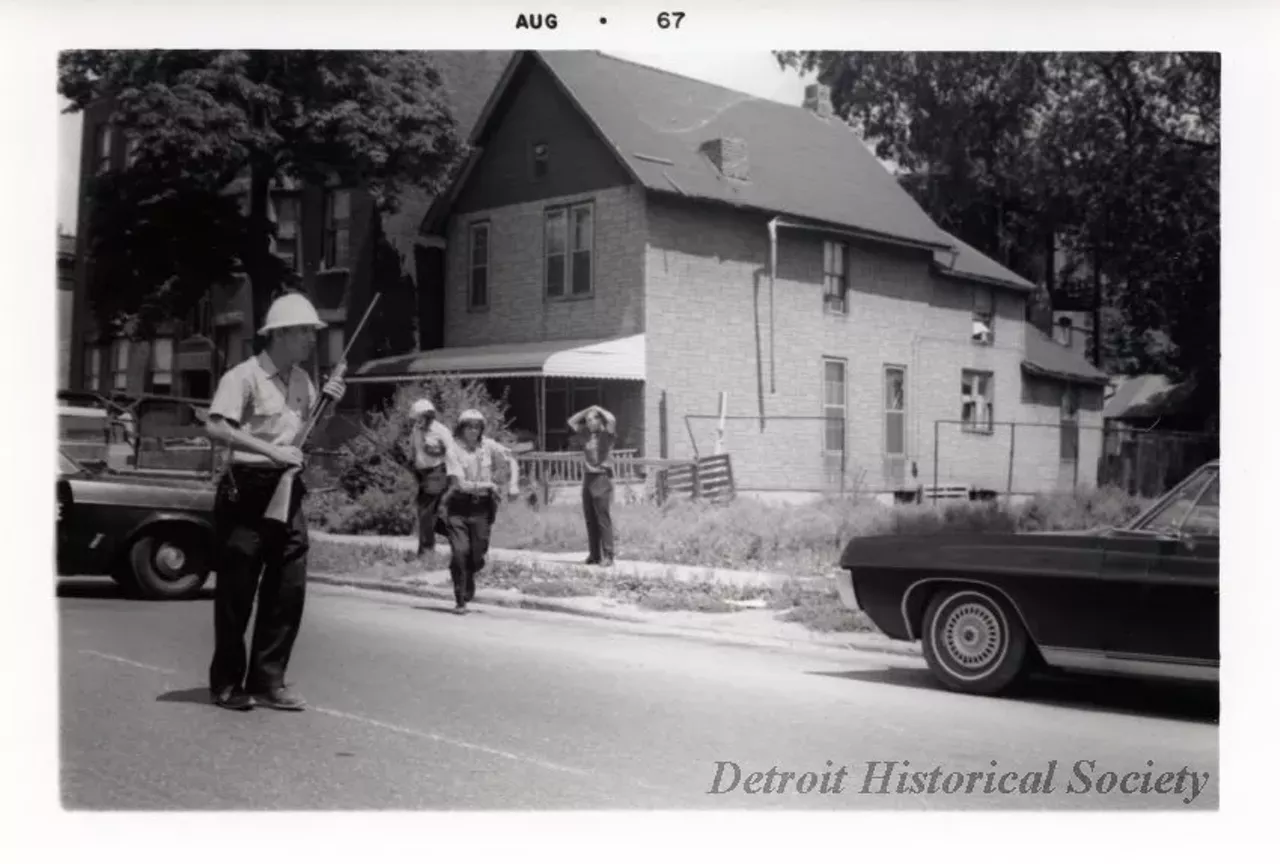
pixel 471 504
pixel 260 408
pixel 431 443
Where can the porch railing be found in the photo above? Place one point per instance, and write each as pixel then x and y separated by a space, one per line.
pixel 568 467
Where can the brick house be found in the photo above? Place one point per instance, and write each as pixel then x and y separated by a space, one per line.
pixel 341 249
pixel 629 236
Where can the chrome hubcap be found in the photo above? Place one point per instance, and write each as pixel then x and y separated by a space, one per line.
pixel 972 635
pixel 171 559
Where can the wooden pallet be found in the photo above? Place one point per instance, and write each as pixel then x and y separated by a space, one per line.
pixel 710 478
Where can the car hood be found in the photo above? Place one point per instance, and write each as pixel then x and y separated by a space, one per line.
pixel 928 550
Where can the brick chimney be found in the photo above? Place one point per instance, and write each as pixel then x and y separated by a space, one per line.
pixel 729 155
pixel 817 98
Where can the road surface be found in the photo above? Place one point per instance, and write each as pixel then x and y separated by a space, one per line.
pixel 415 708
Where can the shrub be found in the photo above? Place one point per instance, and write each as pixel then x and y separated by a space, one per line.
pixel 375 488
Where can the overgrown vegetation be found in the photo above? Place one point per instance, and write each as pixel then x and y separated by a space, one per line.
pixel 802 540
pixel 372 488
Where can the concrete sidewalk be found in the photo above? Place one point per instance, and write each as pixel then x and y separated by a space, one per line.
pixel 641 569
pixel 748 626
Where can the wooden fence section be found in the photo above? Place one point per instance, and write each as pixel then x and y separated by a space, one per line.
pixel 710 477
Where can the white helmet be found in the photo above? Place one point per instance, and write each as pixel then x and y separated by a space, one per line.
pixel 421 408
pixel 291 310
pixel 471 415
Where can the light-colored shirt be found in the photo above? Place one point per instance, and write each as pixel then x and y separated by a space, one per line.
pixel 436 441
pixel 473 467
pixel 269 404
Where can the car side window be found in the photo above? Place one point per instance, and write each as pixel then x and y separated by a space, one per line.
pixel 1194 510
pixel 1203 519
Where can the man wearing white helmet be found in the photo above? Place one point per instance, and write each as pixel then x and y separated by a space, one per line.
pixel 471 504
pixel 431 443
pixel 259 410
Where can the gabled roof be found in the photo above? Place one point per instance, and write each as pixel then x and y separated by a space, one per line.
pixel 1047 358
pixel 801 165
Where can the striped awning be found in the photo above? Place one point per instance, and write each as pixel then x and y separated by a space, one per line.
pixel 615 359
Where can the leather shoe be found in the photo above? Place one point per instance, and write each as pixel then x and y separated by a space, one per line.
pixel 281 699
pixel 233 699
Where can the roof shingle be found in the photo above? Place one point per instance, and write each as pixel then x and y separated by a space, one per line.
pixel 799 163
pixel 1045 357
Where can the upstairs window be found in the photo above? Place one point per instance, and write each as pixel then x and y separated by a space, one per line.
pixel 1063 331
pixel 288 231
pixel 835 286
pixel 337 229
pixel 540 157
pixel 478 279
pixel 983 316
pixel 568 245
pixel 102 138
pixel 120 364
pixel 162 366
pixel 1069 434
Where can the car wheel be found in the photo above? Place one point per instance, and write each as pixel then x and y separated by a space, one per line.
pixel 973 643
pixel 169 564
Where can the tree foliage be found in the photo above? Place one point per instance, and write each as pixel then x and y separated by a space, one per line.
pixel 206 124
pixel 1096 174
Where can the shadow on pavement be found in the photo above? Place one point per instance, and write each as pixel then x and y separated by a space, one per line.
pixel 1116 695
pixel 85 588
pixel 446 610
pixel 190 696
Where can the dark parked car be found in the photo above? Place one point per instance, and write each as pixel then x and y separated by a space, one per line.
pixel 151 532
pixel 1138 600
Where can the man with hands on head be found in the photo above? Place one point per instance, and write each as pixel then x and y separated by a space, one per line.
pixel 260 409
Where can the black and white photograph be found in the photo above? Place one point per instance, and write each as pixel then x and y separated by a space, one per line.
pixel 590 412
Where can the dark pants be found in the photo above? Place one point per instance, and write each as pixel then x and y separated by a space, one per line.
pixel 432 483
pixel 263 558
pixel 597 496
pixel 469 521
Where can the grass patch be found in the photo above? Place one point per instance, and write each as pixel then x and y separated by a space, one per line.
pixel 818 609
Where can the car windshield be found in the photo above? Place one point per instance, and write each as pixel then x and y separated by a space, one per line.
pixel 1191 508
pixel 67 465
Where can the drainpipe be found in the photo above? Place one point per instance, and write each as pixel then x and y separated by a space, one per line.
pixel 773 278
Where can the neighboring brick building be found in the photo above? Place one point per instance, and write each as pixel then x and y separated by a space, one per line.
pixel 649 241
pixel 332 236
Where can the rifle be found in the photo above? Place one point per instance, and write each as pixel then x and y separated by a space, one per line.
pixel 278 508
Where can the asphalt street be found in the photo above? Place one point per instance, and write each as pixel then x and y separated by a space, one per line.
pixel 415 708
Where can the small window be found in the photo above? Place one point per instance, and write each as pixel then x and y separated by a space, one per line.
pixel 977 411
pixel 337 229
pixel 541 160
pixel 983 316
pixel 102 147
pixel 288 231
pixel 478 282
pixel 120 364
pixel 162 366
pixel 835 289
pixel 1069 434
pixel 895 411
pixel 834 412
pixel 1064 331
pixel 568 250
pixel 93 372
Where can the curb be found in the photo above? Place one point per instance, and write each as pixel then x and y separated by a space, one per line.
pixel 890 647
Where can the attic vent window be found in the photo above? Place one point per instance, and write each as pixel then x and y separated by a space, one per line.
pixel 817 98
pixel 729 155
pixel 541 155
